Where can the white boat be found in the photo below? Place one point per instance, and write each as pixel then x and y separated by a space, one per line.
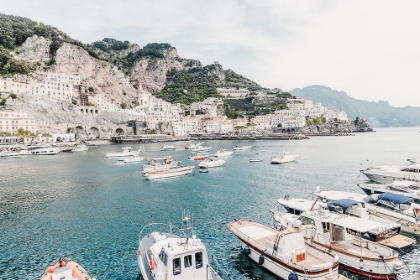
pixel 158 164
pixel 80 148
pixel 390 206
pixel 169 172
pixel 413 160
pixel 201 149
pixel 407 188
pixel 386 232
pixel 255 160
pixel 389 174
pixel 193 146
pixel 127 152
pixel 40 150
pixel 223 153
pixel 167 148
pixel 7 154
pixel 242 148
pixel 342 236
pixel 285 253
pixel 211 162
pixel 65 269
pixel 165 255
pixel 284 157
pixel 132 159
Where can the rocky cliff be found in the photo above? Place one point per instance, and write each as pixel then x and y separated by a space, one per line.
pixel 333 127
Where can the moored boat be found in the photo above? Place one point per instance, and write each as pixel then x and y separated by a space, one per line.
pixel 255 160
pixel 65 269
pixel 283 157
pixel 158 164
pixel 127 152
pixel 170 172
pixel 406 188
pixel 80 148
pixel 193 146
pixel 389 174
pixel 7 154
pixel 133 159
pixel 199 157
pixel 223 153
pixel 211 162
pixel 285 253
pixel 168 148
pixel 200 149
pixel 242 148
pixel 40 150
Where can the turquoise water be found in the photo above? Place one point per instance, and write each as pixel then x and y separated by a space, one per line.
pixel 89 208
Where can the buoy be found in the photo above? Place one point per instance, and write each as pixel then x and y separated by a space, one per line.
pixel 398 265
pixel 366 236
pixel 261 260
pixel 293 276
pixel 247 250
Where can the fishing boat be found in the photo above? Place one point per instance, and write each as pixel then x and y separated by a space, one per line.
pixel 387 205
pixel 342 235
pixel 65 269
pixel 169 172
pixel 283 157
pixel 389 174
pixel 383 231
pixel 127 152
pixel 165 255
pixel 223 153
pixel 406 188
pixel 80 148
pixel 193 146
pixel 158 164
pixel 211 162
pixel 285 253
pixel 242 148
pixel 255 160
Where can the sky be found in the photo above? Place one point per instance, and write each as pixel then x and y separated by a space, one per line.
pixel 369 49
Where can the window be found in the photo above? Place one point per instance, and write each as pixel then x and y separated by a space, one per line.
pixel 188 261
pixel 177 266
pixel 307 221
pixel 163 257
pixel 199 260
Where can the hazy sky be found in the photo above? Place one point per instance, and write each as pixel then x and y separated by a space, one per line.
pixel 370 49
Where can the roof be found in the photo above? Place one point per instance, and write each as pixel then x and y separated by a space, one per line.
pixel 357 224
pixel 343 203
pixel 396 198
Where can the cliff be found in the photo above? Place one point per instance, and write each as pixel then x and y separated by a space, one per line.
pixel 333 127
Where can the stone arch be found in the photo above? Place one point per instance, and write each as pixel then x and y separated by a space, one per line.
pixel 93 133
pixel 119 131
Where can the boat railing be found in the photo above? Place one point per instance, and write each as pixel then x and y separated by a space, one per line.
pixel 153 227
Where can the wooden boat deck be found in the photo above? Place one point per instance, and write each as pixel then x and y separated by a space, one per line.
pixel 353 249
pixel 397 241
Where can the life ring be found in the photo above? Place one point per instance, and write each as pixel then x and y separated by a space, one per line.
pixel 151 263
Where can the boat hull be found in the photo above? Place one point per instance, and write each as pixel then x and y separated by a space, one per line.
pixel 46 151
pixel 169 173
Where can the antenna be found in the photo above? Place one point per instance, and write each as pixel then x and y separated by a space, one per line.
pixel 186 218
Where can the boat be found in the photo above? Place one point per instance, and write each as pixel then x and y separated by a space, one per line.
pixel 80 148
pixel 387 205
pixel 255 160
pixel 201 149
pixel 193 146
pixel 389 174
pixel 40 150
pixel 242 148
pixel 169 172
pixel 343 235
pixel 385 232
pixel 413 160
pixel 407 188
pixel 132 159
pixel 167 148
pixel 199 157
pixel 157 164
pixel 204 170
pixel 127 152
pixel 165 255
pixel 7 154
pixel 65 269
pixel 284 157
pixel 223 153
pixel 211 162
pixel 284 253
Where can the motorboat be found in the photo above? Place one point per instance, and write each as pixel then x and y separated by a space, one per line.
pixel 343 235
pixel 211 162
pixel 407 188
pixel 255 160
pixel 166 252
pixel 169 172
pixel 242 148
pixel 199 157
pixel 413 160
pixel 201 149
pixel 204 170
pixel 284 157
pixel 80 148
pixel 65 269
pixel 386 232
pixel 284 253
pixel 7 154
pixel 223 153
pixel 127 151
pixel 158 164
pixel 193 146
pixel 389 174
pixel 167 148
pixel 132 159
pixel 40 150
pixel 387 205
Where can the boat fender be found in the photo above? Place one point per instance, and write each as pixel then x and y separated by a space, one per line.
pixel 151 263
pixel 261 260
pixel 361 264
pixel 398 265
pixel 293 276
pixel 246 251
pixel 366 236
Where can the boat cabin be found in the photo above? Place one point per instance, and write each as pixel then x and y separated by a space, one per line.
pixel 395 202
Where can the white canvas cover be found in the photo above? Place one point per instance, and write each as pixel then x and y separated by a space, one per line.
pixel 292 243
pixel 256 232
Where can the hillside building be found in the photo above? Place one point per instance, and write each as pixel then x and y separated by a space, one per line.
pixel 12 121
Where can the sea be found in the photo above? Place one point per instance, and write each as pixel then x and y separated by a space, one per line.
pixel 91 209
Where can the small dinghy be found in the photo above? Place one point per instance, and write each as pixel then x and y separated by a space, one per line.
pixel 255 160
pixel 204 170
pixel 65 269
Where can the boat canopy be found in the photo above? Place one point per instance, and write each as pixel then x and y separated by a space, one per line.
pixel 396 198
pixel 343 204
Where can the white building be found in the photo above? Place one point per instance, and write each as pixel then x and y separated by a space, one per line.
pixel 335 114
pixel 12 121
pixel 233 92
